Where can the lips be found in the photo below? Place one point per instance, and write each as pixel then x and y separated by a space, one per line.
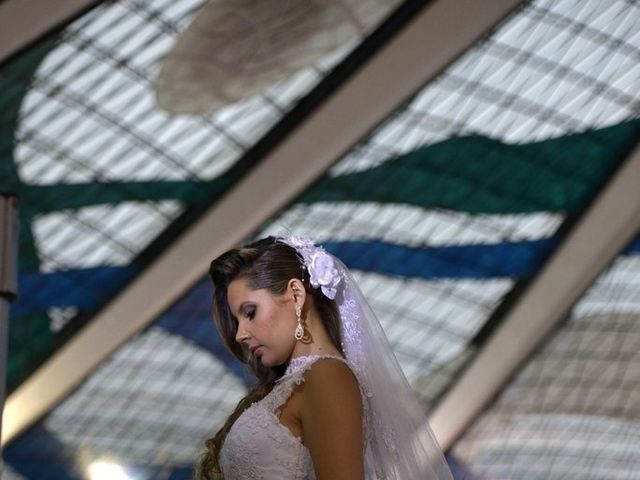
pixel 254 348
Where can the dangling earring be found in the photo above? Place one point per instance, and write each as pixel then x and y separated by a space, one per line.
pixel 299 333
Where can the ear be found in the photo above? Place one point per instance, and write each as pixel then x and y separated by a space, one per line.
pixel 297 290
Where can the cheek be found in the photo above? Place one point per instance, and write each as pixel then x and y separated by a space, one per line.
pixel 276 320
pixel 280 332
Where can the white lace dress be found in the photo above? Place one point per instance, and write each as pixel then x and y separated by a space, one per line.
pixel 258 446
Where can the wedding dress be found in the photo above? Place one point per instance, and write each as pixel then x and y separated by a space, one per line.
pixel 258 445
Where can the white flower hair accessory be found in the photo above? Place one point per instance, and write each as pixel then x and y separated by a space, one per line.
pixel 321 266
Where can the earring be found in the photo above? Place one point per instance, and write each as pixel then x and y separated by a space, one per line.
pixel 299 333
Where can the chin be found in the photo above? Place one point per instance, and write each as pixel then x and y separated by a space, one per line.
pixel 270 362
pixel 265 362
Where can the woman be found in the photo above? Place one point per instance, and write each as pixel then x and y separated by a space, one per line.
pixel 331 401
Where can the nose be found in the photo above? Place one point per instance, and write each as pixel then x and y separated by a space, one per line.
pixel 241 335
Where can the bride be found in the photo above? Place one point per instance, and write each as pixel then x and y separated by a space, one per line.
pixel 331 401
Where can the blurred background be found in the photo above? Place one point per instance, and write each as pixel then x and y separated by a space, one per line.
pixel 475 163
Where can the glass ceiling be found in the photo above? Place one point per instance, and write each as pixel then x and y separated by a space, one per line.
pixel 102 171
pixel 456 199
pixel 577 398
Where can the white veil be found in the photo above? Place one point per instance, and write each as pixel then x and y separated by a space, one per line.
pixel 399 442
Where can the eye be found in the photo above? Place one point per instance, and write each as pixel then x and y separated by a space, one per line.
pixel 250 313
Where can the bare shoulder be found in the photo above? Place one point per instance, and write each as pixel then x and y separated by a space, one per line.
pixel 330 378
pixel 330 371
pixel 331 417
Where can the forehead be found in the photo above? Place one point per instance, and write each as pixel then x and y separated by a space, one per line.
pixel 239 292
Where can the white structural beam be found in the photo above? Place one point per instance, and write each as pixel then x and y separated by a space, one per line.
pixel 439 34
pixel 606 228
pixel 24 21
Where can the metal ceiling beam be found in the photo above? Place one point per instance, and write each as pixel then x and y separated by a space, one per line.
pixel 22 22
pixel 439 34
pixel 609 224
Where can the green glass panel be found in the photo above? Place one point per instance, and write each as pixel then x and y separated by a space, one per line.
pixel 476 174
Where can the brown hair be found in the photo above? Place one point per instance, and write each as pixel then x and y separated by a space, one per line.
pixel 265 264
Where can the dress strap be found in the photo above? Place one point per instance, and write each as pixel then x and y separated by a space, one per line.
pixel 304 362
pixel 293 377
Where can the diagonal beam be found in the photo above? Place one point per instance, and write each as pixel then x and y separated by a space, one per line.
pixel 437 35
pixel 22 22
pixel 605 229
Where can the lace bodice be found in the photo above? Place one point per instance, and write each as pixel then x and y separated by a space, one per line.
pixel 258 446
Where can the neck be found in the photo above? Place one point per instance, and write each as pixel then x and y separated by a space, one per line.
pixel 320 343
